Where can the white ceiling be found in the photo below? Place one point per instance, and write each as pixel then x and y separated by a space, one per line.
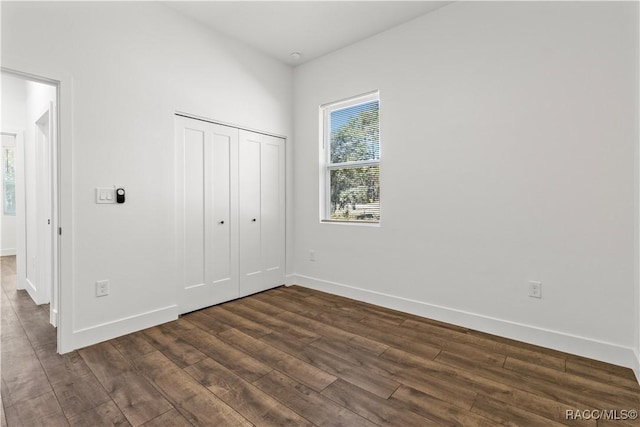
pixel 313 28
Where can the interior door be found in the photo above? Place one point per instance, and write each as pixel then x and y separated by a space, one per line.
pixel 44 192
pixel 262 212
pixel 206 189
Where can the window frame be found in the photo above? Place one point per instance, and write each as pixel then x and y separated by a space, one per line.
pixel 326 165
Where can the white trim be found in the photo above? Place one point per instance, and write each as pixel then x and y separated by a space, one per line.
pixel 636 367
pixel 7 251
pixel 351 101
pixel 582 346
pixel 221 123
pixel 116 328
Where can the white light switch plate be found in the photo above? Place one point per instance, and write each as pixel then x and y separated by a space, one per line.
pixel 105 195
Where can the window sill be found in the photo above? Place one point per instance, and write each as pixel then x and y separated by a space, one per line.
pixel 356 223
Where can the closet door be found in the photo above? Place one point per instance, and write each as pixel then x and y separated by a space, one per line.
pixel 261 216
pixel 206 208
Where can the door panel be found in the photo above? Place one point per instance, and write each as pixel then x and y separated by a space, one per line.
pixel 272 204
pixel 221 228
pixel 194 144
pixel 205 169
pixel 250 219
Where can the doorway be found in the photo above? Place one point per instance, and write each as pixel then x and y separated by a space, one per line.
pixel 29 110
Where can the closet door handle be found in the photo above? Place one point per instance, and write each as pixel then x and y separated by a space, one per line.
pixel 221 222
pixel 253 220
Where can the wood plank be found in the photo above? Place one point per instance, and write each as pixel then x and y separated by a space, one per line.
pixel 285 342
pixel 254 404
pixel 336 334
pixel 37 410
pixel 61 367
pixel 191 399
pixel 437 410
pixel 358 375
pixel 138 400
pixel 297 369
pixel 284 300
pixel 271 322
pixel 207 323
pixel 247 326
pixel 603 372
pixel 531 384
pixel 519 350
pixel 21 370
pixel 133 345
pixel 456 371
pixel 176 349
pixel 377 410
pixel 80 394
pixel 313 406
pixel 12 417
pixel 235 360
pixel 596 391
pixel 106 414
pixel 502 414
pixel 37 327
pixel 171 418
pixel 261 306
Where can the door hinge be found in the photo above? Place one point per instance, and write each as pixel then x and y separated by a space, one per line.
pixel 59 231
pixel 48 222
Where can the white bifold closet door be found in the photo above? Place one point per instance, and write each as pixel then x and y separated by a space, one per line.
pixel 262 212
pixel 230 212
pixel 206 212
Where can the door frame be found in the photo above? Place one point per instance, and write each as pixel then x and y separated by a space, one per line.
pixel 62 248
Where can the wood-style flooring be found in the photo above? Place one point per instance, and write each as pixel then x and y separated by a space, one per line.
pixel 293 356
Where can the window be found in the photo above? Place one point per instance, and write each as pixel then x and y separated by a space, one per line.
pixel 8 181
pixel 351 160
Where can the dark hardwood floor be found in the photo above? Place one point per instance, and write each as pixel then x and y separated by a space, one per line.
pixel 296 357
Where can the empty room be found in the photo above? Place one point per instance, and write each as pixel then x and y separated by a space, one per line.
pixel 320 213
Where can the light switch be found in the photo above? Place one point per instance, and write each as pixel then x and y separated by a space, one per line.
pixel 105 195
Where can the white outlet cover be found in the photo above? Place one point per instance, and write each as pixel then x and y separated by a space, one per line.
pixel 535 289
pixel 102 288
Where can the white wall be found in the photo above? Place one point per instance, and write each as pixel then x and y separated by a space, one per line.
pixel 14 120
pixel 507 136
pixel 131 66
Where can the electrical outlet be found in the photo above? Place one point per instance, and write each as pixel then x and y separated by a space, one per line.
pixel 535 289
pixel 312 255
pixel 102 288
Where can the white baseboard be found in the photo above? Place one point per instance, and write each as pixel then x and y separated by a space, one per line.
pixel 53 317
pixel 636 368
pixel 7 251
pixel 582 346
pixel 106 331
